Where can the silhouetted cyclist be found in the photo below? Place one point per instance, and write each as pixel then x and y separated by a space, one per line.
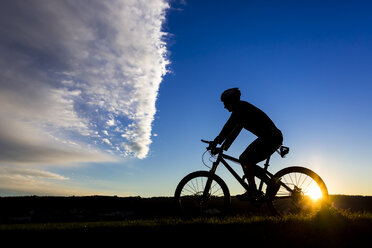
pixel 245 115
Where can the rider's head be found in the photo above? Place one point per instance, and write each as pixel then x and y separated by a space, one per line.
pixel 230 98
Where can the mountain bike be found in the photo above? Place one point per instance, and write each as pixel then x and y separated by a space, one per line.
pixel 290 190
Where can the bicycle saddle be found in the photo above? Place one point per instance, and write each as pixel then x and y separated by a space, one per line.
pixel 284 150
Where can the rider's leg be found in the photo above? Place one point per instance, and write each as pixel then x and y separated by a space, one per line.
pixel 252 193
pixel 259 150
pixel 248 169
pixel 248 161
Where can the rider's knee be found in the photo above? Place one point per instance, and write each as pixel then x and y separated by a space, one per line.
pixel 245 162
pixel 242 159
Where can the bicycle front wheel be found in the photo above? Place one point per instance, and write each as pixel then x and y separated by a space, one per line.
pixel 298 190
pixel 191 200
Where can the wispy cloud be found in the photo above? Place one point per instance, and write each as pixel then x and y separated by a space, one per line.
pixel 23 180
pixel 79 79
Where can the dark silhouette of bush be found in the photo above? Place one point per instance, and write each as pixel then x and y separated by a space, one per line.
pixel 35 209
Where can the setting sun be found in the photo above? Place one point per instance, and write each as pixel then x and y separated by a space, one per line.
pixel 314 193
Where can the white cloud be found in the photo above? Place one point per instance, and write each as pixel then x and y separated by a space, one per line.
pixel 71 70
pixel 107 141
pixel 110 122
pixel 15 180
pixel 24 143
pixel 20 171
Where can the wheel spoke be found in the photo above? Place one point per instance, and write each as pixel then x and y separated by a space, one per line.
pixel 193 186
pixel 197 184
pixel 305 187
pixel 305 178
pixel 308 184
pixel 187 190
pixel 192 201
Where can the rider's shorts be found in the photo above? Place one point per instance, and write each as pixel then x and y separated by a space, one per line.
pixel 262 148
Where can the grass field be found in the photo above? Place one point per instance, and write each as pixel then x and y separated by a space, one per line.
pixel 328 228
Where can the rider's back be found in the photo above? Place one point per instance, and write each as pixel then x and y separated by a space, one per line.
pixel 253 119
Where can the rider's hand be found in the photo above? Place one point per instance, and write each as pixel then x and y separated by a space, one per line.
pixel 212 147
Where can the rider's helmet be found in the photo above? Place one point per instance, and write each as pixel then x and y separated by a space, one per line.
pixel 231 95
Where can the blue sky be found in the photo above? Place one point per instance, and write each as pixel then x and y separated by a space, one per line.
pixel 306 64
pixel 125 115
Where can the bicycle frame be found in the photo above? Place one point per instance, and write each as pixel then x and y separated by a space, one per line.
pixel 260 172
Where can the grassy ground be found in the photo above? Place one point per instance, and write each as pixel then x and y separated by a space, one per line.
pixel 328 228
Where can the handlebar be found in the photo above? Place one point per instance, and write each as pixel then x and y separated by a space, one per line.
pixel 214 150
pixel 206 141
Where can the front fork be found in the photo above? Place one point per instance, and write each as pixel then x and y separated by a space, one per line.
pixel 208 184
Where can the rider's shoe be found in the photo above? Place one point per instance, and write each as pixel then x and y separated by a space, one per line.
pixel 250 195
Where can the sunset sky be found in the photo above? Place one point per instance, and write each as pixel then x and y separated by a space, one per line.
pixel 113 97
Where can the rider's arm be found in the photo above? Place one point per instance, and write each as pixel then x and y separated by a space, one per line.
pixel 232 136
pixel 230 125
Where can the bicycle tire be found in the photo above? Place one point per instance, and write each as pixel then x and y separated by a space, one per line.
pixel 308 192
pixel 188 195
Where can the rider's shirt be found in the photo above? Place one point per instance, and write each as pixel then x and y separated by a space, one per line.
pixel 247 116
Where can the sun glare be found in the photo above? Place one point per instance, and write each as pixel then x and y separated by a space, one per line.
pixel 315 193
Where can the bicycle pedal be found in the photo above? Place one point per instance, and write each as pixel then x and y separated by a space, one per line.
pixel 257 196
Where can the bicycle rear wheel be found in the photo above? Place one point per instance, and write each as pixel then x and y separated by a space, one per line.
pixel 189 197
pixel 297 190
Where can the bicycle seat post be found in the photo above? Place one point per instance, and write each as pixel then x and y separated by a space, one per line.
pixel 266 165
